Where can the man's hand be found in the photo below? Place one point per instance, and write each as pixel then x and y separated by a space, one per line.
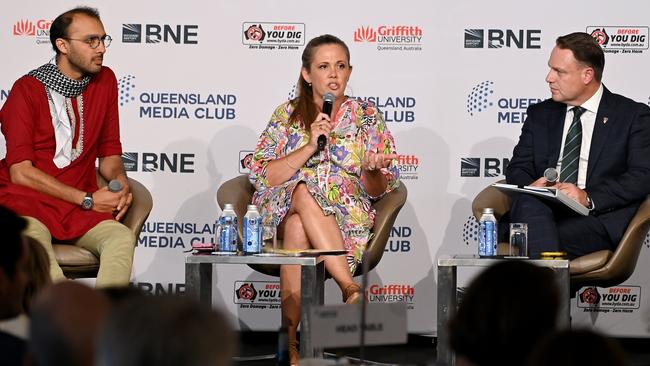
pixel 540 182
pixel 574 192
pixel 117 203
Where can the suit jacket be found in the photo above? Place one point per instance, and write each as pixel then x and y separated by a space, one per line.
pixel 618 173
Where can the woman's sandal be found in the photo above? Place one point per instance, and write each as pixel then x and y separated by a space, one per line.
pixel 352 294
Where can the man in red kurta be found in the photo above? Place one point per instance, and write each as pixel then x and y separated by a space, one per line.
pixel 57 121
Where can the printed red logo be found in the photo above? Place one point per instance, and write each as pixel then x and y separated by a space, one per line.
pixel 365 34
pixel 24 28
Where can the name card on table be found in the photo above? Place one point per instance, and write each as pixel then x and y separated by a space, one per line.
pixel 339 325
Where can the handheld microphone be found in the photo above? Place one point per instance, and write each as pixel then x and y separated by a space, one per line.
pixel 328 102
pixel 114 185
pixel 551 175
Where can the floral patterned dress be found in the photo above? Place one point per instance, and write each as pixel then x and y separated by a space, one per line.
pixel 333 176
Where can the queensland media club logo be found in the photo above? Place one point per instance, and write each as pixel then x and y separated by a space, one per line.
pixel 176 105
pixel 492 167
pixel 391 37
pixel 510 109
pixel 245 161
pixel 150 162
pixel 125 88
pixel 40 29
pixel 621 39
pixel 185 34
pixel 272 36
pixel 503 38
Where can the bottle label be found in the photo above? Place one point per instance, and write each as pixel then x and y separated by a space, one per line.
pixel 252 234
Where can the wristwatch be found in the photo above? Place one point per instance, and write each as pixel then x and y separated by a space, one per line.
pixel 590 203
pixel 87 202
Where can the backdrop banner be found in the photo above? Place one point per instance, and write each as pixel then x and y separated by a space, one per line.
pixel 198 82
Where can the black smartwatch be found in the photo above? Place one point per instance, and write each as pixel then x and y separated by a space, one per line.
pixel 87 202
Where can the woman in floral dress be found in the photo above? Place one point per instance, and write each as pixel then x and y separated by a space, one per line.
pixel 322 199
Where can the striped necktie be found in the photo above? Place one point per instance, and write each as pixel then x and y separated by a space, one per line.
pixel 571 153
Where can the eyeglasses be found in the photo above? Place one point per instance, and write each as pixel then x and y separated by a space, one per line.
pixel 94 41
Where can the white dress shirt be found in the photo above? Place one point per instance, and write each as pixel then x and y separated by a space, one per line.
pixel 588 120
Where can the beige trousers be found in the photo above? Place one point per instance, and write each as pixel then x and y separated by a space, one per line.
pixel 112 242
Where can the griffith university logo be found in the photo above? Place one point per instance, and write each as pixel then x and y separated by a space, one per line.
pixel 24 28
pixel 27 28
pixel 391 37
pixel 365 34
pixel 125 86
pixel 480 98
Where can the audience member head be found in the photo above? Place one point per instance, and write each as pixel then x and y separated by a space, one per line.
pixel 119 294
pixel 38 267
pixel 165 330
pixel 13 264
pixel 504 312
pixel 577 347
pixel 66 319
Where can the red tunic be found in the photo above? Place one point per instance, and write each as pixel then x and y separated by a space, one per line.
pixel 27 127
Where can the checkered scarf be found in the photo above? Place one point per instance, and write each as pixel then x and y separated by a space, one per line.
pixel 50 75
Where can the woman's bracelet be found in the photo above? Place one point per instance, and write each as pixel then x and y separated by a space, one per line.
pixel 286 161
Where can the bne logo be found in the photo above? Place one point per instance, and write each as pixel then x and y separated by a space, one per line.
pixel 155 33
pixel 499 38
pixel 152 162
pixel 492 167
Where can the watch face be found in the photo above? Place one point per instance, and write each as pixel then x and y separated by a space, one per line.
pixel 87 203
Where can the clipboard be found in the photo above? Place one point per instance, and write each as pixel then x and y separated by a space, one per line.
pixel 549 193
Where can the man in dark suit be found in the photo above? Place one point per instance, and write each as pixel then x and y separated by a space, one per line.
pixel 597 140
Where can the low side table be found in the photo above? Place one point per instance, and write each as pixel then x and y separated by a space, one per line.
pixel 198 283
pixel 447 301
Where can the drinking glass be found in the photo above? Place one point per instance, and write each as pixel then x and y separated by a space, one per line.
pixel 518 246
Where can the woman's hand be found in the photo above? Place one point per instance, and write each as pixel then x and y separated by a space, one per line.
pixel 321 126
pixel 376 161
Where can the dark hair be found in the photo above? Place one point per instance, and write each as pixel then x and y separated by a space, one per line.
pixel 586 50
pixel 574 347
pixel 165 330
pixel 304 103
pixel 505 311
pixel 11 229
pixel 59 27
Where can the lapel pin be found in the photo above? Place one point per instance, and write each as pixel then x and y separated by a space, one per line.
pixel 605 120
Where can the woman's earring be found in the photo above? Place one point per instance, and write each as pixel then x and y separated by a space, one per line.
pixel 309 84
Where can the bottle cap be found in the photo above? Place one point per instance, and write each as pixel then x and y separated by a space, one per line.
pixel 252 207
pixel 228 206
pixel 488 210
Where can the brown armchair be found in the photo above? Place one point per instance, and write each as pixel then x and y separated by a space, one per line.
pixel 239 191
pixel 77 262
pixel 603 268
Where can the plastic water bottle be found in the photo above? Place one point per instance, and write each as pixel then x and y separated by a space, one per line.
pixel 227 230
pixel 252 231
pixel 487 235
